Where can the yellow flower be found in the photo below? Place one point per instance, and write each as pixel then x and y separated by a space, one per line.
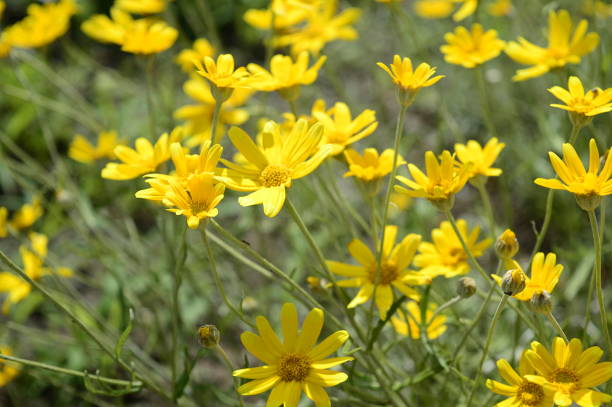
pixel 445 255
pixel 284 13
pixel 585 185
pixel 144 159
pixel 322 27
pixel 561 50
pixel 410 324
pixel 410 81
pixel 201 48
pixel 520 391
pixel 3 221
pixel 285 75
pixel 443 180
pixel 394 271
pixel 342 130
pixel 597 8
pixel 500 8
pixel 104 29
pixel 27 214
pixel 480 159
pixel 83 151
pixel 141 6
pixel 222 74
pixel 471 48
pixel 545 273
pixel 433 8
pixel 467 9
pixel 370 166
pixel 8 371
pixel 197 201
pixel 572 372
pixel 42 25
pixel 272 167
pixel 297 363
pixel 594 102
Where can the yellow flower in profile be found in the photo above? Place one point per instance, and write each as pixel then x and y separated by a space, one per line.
pixel 571 371
pixel 594 102
pixel 83 151
pixel 284 14
pixel 444 179
pixel 143 159
pixel 271 168
pixel 410 324
pixel 520 391
pixel 585 185
pixel 297 363
pixel 27 214
pixel 500 8
pixel 141 6
pixel 394 272
pixel 3 221
pixel 108 30
pixel 471 48
pixel 201 48
pixel 222 73
pixel 42 25
pixel 545 273
pixel 341 130
pixel 445 255
pixel 467 9
pixel 410 81
pixel 561 50
pixel 433 8
pixel 370 166
pixel 480 159
pixel 197 201
pixel 8 371
pixel 285 75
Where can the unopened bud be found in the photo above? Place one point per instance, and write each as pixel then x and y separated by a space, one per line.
pixel 513 282
pixel 209 336
pixel 507 245
pixel 540 302
pixel 466 287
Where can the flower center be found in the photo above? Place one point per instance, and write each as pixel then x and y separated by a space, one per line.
pixel 293 367
pixel 274 176
pixel 456 255
pixel 530 394
pixel 563 375
pixel 388 273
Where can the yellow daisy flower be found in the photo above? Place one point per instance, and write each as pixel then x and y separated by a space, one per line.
pixel 83 151
pixel 141 6
pixel 471 48
pixel 433 8
pixel 272 167
pixel 572 371
pixel 222 74
pixel 561 50
pixel 500 8
pixel 444 179
pixel 27 214
pixel 467 9
pixel 406 78
pixel 108 30
pixel 520 391
pixel 8 371
pixel 480 159
pixel 370 166
pixel 545 273
pixel 296 364
pixel 394 271
pixel 587 186
pixel 144 159
pixel 341 129
pixel 283 13
pixel 594 102
pixel 201 48
pixel 410 324
pixel 445 255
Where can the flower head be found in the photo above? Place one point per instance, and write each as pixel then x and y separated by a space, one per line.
pixel 297 363
pixel 83 151
pixel 409 324
pixel 201 48
pixel 27 214
pixel 570 371
pixel 471 48
pixel 507 245
pixel 341 129
pixel 433 8
pixel 577 103
pixel 500 8
pixel 283 13
pixel 370 166
pixel 545 273
pixel 445 255
pixel 407 79
pixel 480 159
pixel 141 6
pixel 223 75
pixel 8 371
pixel 563 47
pixel 271 167
pixel 394 272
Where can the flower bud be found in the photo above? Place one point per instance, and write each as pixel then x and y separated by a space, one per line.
pixel 540 302
pixel 209 336
pixel 506 245
pixel 513 282
pixel 466 287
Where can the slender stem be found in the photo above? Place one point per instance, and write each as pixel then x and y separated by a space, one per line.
pixel 176 307
pixel 442 307
pixel 293 108
pixel 71 372
pixel 230 366
pixel 215 122
pixel 485 351
pixel 589 297
pixel 209 20
pixel 474 322
pixel 556 325
pixel 483 93
pixel 150 73
pixel 598 284
pixel 218 282
pixel 486 201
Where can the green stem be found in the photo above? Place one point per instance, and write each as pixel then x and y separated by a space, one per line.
pixel 556 325
pixel 442 307
pixel 293 108
pixel 598 283
pixel 485 351
pixel 176 307
pixel 71 372
pixel 149 74
pixel 218 282
pixel 589 298
pixel 483 93
pixel 230 366
pixel 486 201
pixel 215 122
pixel 474 322
pixel 209 20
